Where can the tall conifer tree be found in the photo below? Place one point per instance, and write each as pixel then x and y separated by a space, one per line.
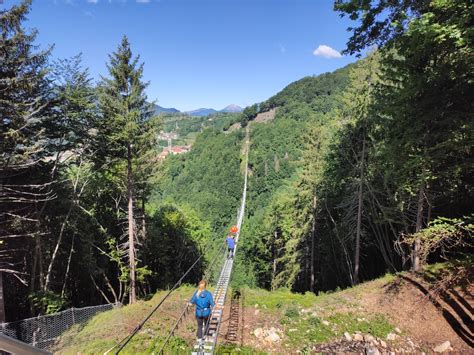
pixel 126 135
pixel 25 105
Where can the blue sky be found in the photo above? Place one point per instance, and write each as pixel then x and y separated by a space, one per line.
pixel 200 53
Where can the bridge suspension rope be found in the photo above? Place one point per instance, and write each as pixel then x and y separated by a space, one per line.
pixel 129 337
pixel 185 310
pixel 214 322
pixel 213 325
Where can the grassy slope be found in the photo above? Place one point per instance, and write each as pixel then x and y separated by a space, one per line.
pixel 307 319
pixel 106 329
pixel 288 310
pixel 302 320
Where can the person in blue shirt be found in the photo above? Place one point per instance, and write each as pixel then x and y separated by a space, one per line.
pixel 230 246
pixel 204 303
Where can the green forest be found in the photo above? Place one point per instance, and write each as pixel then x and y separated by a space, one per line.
pixel 363 171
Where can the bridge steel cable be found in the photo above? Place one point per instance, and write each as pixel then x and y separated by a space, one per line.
pixel 127 339
pixel 185 310
pixel 219 293
pixel 212 328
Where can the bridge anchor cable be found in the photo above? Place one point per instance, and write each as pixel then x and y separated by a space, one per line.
pixel 210 340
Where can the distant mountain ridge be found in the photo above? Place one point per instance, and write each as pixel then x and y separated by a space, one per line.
pixel 232 108
pixel 201 112
pixel 159 109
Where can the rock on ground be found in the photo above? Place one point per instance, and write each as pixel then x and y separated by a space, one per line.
pixel 258 332
pixel 392 336
pixel 441 348
pixel 272 338
pixel 342 346
pixel 270 335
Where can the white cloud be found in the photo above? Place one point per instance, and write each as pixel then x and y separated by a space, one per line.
pixel 326 52
pixel 93 1
pixel 143 1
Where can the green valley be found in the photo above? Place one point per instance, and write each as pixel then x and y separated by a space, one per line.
pixel 334 215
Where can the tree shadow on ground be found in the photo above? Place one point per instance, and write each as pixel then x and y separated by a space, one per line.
pixel 454 307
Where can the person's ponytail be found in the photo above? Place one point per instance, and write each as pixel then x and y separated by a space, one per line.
pixel 201 287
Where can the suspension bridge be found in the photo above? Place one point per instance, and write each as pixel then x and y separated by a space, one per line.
pixel 209 344
pixel 220 293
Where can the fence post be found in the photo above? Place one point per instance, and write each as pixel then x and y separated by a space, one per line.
pixel 73 319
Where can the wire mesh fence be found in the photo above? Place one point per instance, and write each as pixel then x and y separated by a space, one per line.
pixel 43 331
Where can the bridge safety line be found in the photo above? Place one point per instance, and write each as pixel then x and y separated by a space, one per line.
pixel 127 339
pixel 185 309
pixel 210 341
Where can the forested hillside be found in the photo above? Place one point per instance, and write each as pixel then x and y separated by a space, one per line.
pixel 358 160
pixel 206 180
pixel 362 171
pixel 383 158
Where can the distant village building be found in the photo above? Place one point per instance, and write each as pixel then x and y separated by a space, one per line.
pixel 170 149
pixel 179 149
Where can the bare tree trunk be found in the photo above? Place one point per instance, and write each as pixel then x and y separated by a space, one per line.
pixel 63 228
pixel 36 270
pixel 274 265
pixel 359 216
pixel 2 300
pixel 38 251
pixel 99 289
pixel 418 226
pixel 277 163
pixel 143 220
pixel 344 249
pixel 39 259
pixel 68 266
pixel 109 285
pixel 121 292
pixel 33 271
pixel 131 239
pixel 44 282
pixel 307 260
pixel 313 236
pixel 56 249
pixel 430 207
pixel 390 223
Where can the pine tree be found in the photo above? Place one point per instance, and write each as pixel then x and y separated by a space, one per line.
pixel 428 51
pixel 358 101
pixel 70 139
pixel 126 135
pixel 25 105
